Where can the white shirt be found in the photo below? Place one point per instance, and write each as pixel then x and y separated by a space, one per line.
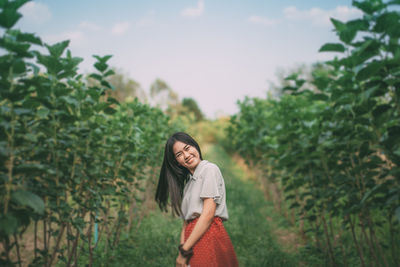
pixel 206 182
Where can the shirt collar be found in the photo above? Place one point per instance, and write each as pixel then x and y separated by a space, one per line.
pixel 197 170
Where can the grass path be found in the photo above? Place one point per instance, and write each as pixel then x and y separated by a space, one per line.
pixel 251 233
pixel 154 242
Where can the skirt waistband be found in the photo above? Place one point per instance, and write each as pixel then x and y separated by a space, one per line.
pixel 196 218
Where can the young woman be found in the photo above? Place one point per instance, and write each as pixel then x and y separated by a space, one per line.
pixel 197 192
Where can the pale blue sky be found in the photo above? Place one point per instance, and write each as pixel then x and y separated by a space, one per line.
pixel 214 51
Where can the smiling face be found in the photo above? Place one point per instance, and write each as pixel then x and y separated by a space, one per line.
pixel 186 155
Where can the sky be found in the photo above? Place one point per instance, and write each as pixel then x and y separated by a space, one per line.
pixel 216 52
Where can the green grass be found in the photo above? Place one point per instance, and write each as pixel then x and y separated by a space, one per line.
pixel 155 241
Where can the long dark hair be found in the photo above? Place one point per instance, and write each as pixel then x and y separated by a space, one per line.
pixel 173 177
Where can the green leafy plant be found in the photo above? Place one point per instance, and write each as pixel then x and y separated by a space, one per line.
pixel 71 157
pixel 333 152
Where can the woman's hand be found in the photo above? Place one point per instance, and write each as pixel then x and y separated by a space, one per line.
pixel 181 261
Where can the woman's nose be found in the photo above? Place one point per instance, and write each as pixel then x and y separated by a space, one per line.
pixel 185 154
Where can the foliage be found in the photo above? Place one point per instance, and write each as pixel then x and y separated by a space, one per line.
pixel 191 106
pixel 334 152
pixel 70 155
pixel 162 95
pixel 209 131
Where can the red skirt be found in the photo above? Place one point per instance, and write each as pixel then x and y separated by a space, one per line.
pixel 214 248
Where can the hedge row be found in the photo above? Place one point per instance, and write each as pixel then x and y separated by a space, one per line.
pixel 333 150
pixel 72 159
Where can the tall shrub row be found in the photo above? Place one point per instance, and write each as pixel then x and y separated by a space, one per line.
pixel 71 158
pixel 333 151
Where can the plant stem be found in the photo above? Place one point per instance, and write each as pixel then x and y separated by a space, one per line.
pixel 35 239
pixel 89 235
pixel 371 248
pixel 53 256
pixel 49 231
pixel 10 144
pixel 342 247
pixel 44 240
pixel 359 250
pixel 18 253
pixel 373 237
pixel 68 239
pixel 331 255
pixel 73 251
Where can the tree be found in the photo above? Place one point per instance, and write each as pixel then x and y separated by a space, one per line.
pixel 191 106
pixel 125 87
pixel 162 94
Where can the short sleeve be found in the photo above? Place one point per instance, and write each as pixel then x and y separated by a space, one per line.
pixel 212 183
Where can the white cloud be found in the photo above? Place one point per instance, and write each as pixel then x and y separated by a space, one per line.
pixel 193 12
pixel 319 16
pixel 86 25
pixel 36 13
pixel 262 20
pixel 120 28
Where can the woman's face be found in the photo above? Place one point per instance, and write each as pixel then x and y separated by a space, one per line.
pixel 186 155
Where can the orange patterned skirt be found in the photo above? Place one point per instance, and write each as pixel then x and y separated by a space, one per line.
pixel 214 248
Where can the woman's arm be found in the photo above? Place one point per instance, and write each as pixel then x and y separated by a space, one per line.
pixel 204 221
pixel 183 232
pixel 181 261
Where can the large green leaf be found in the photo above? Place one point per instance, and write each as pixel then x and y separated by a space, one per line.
pixel 393 2
pixel 8 18
pixel 8 224
pixel 369 7
pixel 347 35
pixel 339 26
pixel 358 25
pixel 52 64
pixel 107 84
pixel 369 70
pixel 29 37
pixel 332 47
pixel 16 4
pixel 12 45
pixel 102 59
pixel 57 49
pixel 387 21
pixel 347 31
pixel 26 198
pixel 96 76
pixel 18 66
pixel 367 50
pixel 109 73
pixel 101 66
